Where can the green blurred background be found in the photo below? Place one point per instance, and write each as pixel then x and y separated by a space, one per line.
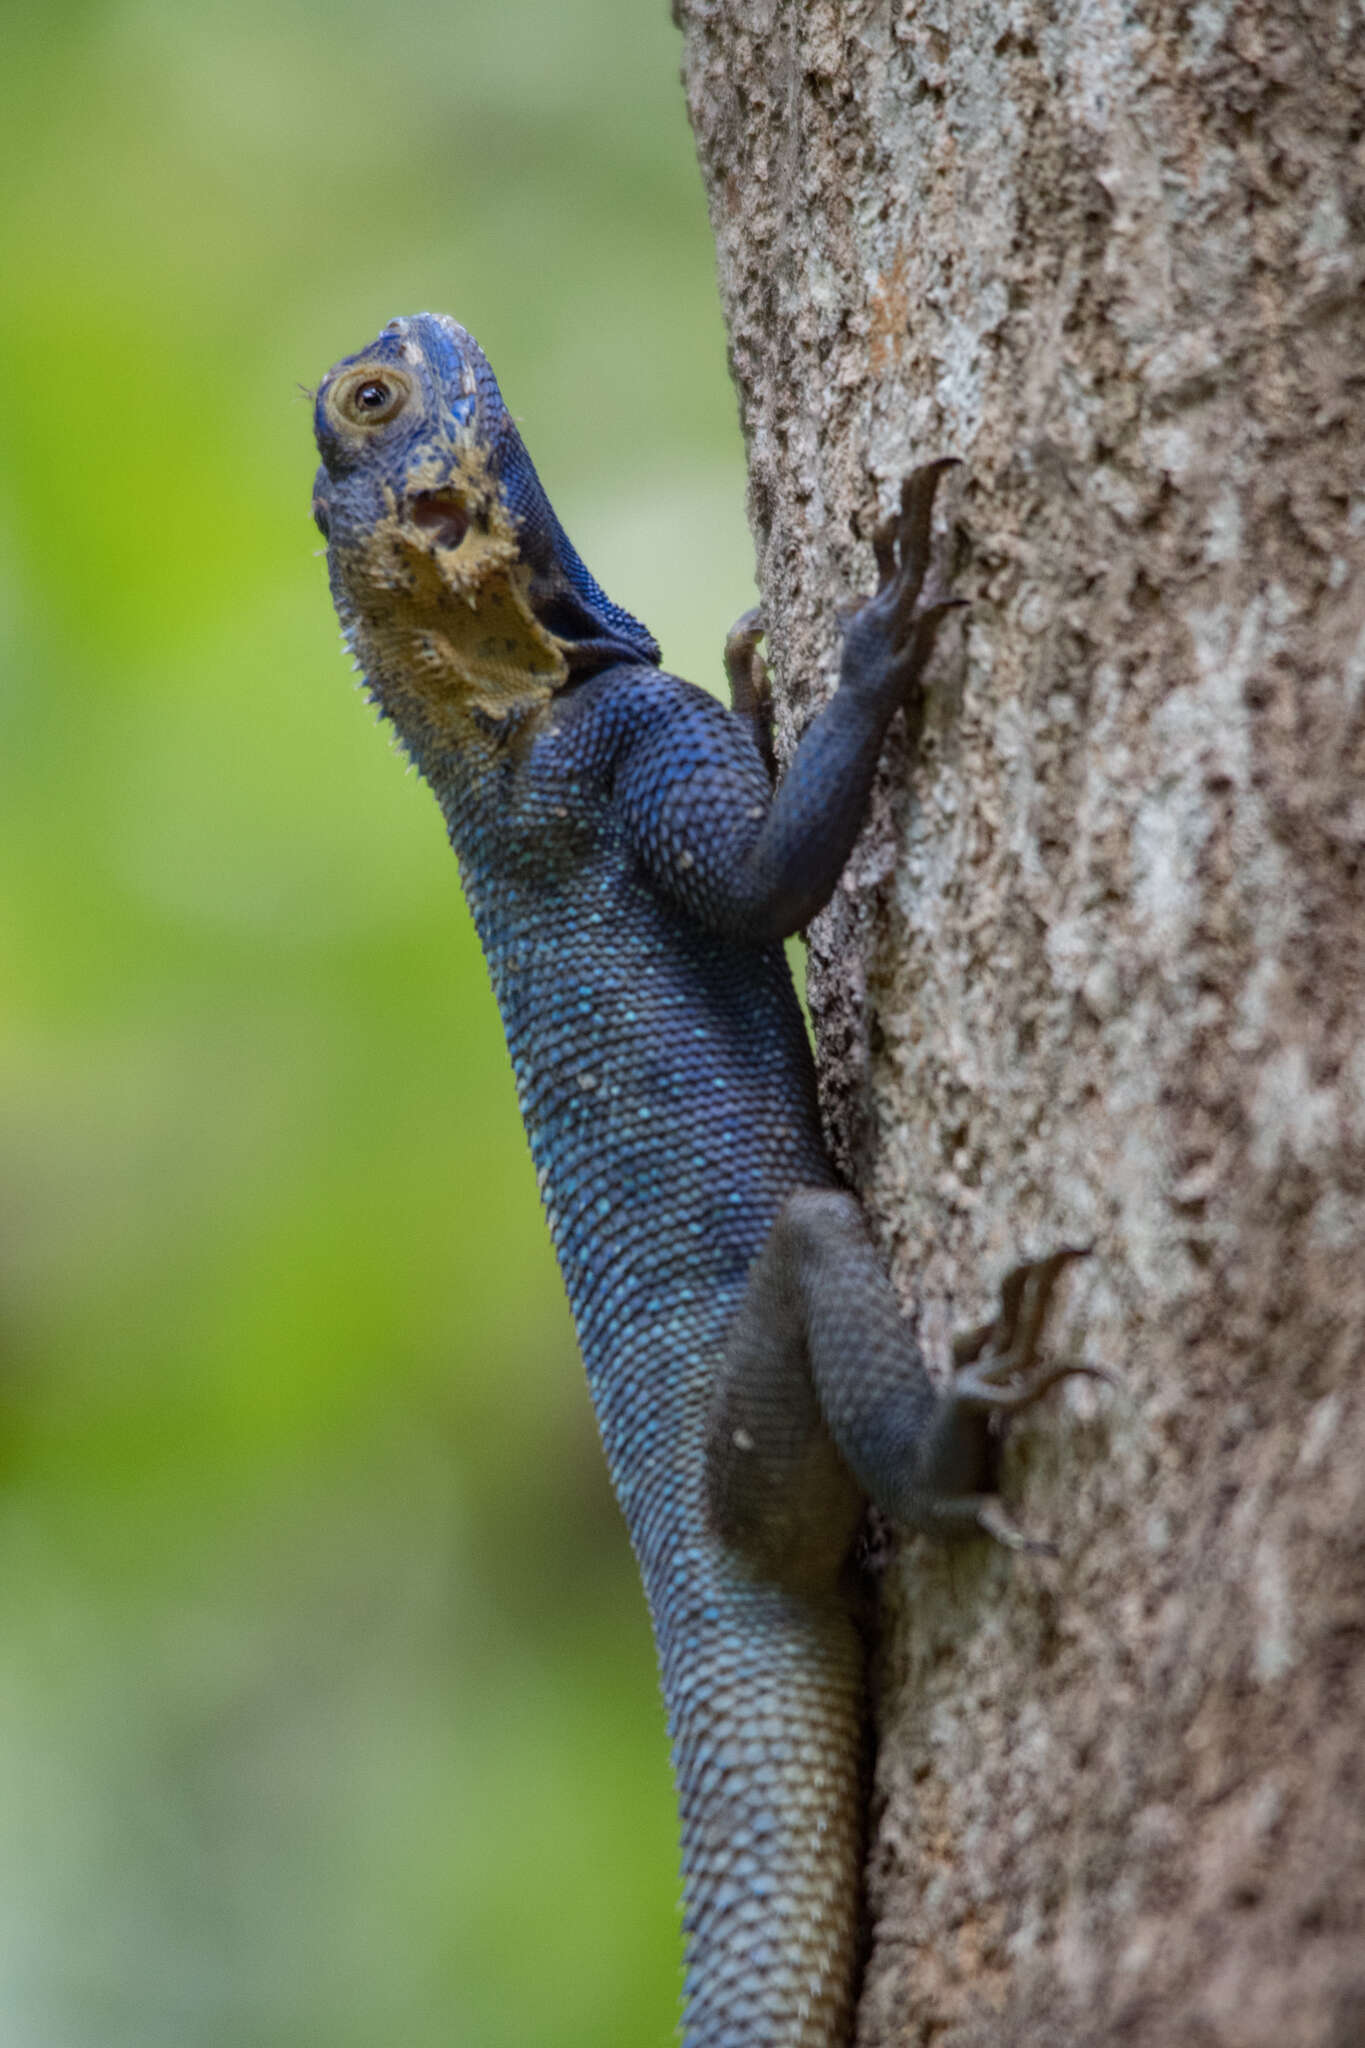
pixel 327 1703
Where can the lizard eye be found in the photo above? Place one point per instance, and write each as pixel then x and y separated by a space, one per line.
pixel 371 397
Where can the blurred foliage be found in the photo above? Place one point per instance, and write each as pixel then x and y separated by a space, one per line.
pixel 327 1703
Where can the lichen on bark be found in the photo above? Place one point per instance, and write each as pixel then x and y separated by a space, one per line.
pixel 1097 970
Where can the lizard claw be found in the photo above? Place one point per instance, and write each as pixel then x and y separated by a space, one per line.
pixel 998 1374
pixel 1005 1350
pixel 998 1368
pixel 911 530
pixel 900 542
pixel 751 686
pixel 902 545
pixel 884 549
pixel 993 1521
pixel 745 669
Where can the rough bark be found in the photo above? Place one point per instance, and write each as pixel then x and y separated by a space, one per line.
pixel 1098 969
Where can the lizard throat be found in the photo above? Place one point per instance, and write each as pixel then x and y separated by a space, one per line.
pixel 439 607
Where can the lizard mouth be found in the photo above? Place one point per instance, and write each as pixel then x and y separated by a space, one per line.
pixel 440 514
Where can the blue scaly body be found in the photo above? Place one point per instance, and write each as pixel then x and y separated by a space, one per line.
pixel 632 874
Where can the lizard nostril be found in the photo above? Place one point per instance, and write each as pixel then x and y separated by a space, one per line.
pixel 441 515
pixel 321 519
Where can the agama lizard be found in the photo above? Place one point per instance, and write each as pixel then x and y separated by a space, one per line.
pixel 632 874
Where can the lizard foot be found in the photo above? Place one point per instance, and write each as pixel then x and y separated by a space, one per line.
pixel 998 1374
pixel 906 612
pixel 998 1368
pixel 902 546
pixel 745 669
pixel 751 686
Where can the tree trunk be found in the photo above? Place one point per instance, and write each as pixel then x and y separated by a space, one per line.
pixel 1097 973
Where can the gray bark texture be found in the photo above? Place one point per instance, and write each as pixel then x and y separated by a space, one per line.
pixel 1097 972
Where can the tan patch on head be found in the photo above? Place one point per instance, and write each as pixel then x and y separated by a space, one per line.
pixel 450 627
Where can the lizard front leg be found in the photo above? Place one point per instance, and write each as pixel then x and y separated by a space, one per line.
pixel 758 867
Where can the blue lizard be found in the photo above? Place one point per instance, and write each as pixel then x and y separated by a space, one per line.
pixel 632 874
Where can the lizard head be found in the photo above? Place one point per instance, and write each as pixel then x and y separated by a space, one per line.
pixel 457 587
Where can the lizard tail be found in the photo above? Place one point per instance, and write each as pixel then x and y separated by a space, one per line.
pixel 766 1715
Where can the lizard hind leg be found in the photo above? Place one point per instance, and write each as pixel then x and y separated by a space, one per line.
pixel 779 1492
pixel 823 1400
